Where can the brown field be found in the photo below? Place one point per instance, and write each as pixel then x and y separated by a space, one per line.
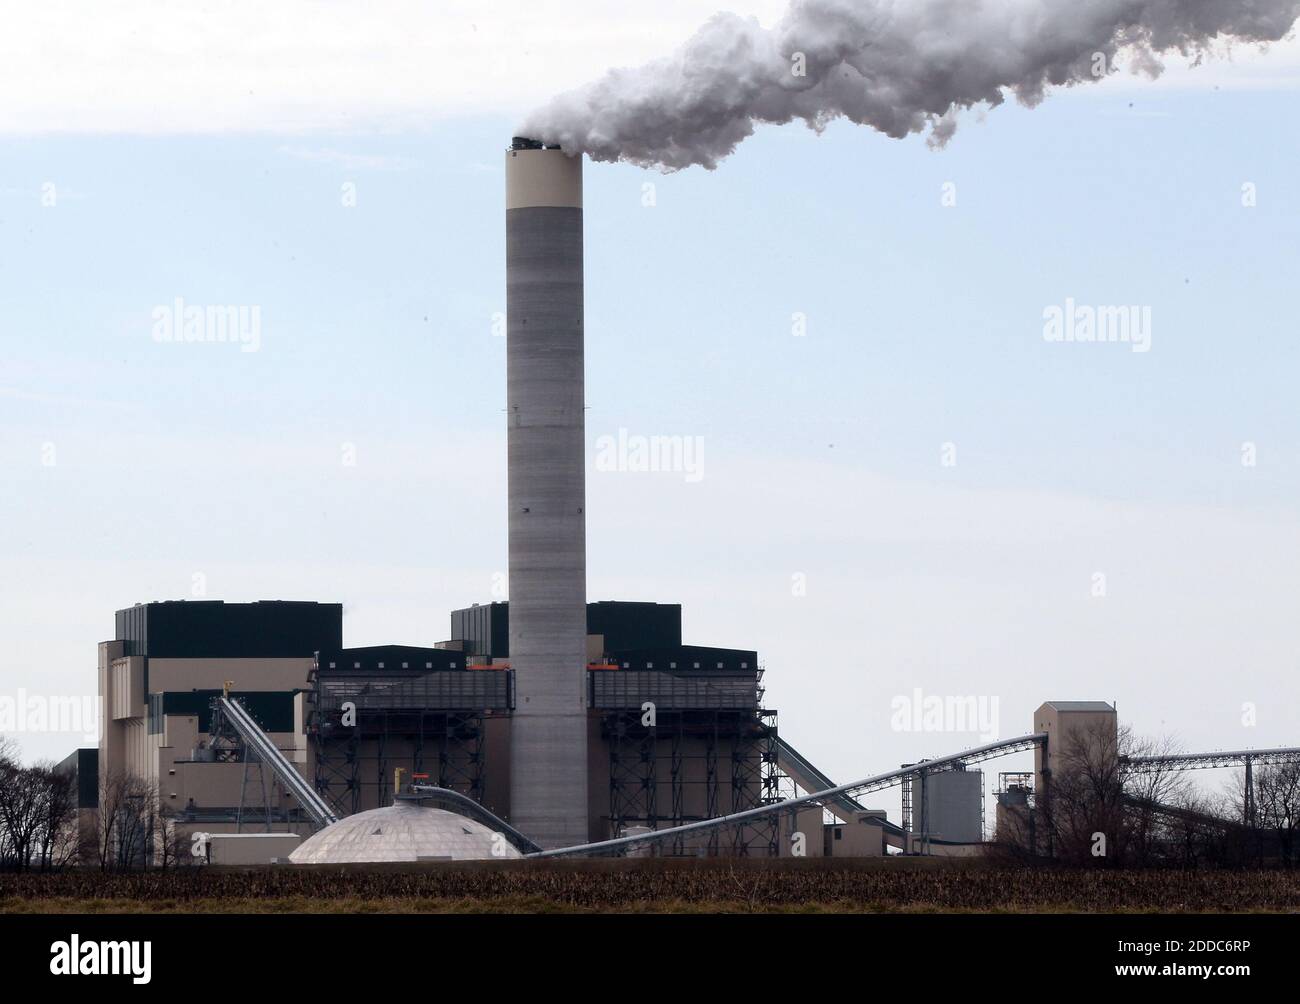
pixel 753 886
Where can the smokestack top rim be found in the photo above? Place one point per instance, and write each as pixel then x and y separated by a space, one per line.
pixel 541 177
pixel 528 143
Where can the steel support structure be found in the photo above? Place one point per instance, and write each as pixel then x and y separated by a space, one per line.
pixel 720 760
pixel 446 745
pixel 396 722
pixel 1249 759
pixel 878 782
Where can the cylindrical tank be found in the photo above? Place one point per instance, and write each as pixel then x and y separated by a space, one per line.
pixel 953 806
pixel 546 494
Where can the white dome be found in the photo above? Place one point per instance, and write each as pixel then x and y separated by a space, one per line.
pixel 405 831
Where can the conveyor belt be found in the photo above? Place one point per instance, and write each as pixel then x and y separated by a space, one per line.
pixel 809 778
pixel 824 798
pixel 260 743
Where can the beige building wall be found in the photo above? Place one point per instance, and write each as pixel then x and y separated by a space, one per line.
pixel 164 760
pixel 251 848
pixel 807 823
pixel 1067 722
pixel 211 674
pixel 1015 824
pixel 112 733
pixel 863 838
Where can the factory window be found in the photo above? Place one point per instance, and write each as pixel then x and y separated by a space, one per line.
pixel 453 665
pixel 428 665
pixel 356 665
pixel 332 665
pixel 838 833
pixel 697 665
pixel 381 665
pixel 719 665
pixel 406 665
pixel 649 665
pixel 744 665
pixel 672 665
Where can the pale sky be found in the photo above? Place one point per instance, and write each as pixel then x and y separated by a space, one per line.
pixel 155 67
pixel 204 153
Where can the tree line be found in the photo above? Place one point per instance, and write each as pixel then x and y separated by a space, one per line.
pixel 42 829
pixel 38 807
pixel 1095 812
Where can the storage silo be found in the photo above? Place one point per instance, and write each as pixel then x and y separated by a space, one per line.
pixel 948 806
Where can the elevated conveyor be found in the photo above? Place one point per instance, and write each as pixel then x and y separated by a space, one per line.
pixel 259 743
pixel 809 778
pixel 823 798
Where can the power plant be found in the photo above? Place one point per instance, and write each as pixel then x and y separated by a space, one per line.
pixel 548 724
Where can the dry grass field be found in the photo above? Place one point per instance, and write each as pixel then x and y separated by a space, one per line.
pixel 658 886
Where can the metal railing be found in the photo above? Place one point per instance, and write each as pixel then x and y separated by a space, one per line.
pixel 1218 758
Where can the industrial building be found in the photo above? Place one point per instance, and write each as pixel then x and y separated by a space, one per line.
pixel 450 713
pixel 569 721
pixel 82 766
pixel 563 722
pixel 673 733
pixel 1072 730
pixel 157 679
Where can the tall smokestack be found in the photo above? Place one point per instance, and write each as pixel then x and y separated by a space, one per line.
pixel 546 470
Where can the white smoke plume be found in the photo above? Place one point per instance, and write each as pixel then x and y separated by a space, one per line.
pixel 899 66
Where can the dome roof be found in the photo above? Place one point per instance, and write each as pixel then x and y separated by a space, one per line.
pixel 405 831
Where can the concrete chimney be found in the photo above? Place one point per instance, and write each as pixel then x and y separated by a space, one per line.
pixel 546 471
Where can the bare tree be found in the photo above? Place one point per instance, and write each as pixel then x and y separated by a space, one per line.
pixel 128 821
pixel 38 806
pixel 1235 804
pixel 1277 800
pixel 1083 810
pixel 1147 792
pixel 55 841
pixel 1096 812
pixel 8 778
pixel 173 844
pixel 22 798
